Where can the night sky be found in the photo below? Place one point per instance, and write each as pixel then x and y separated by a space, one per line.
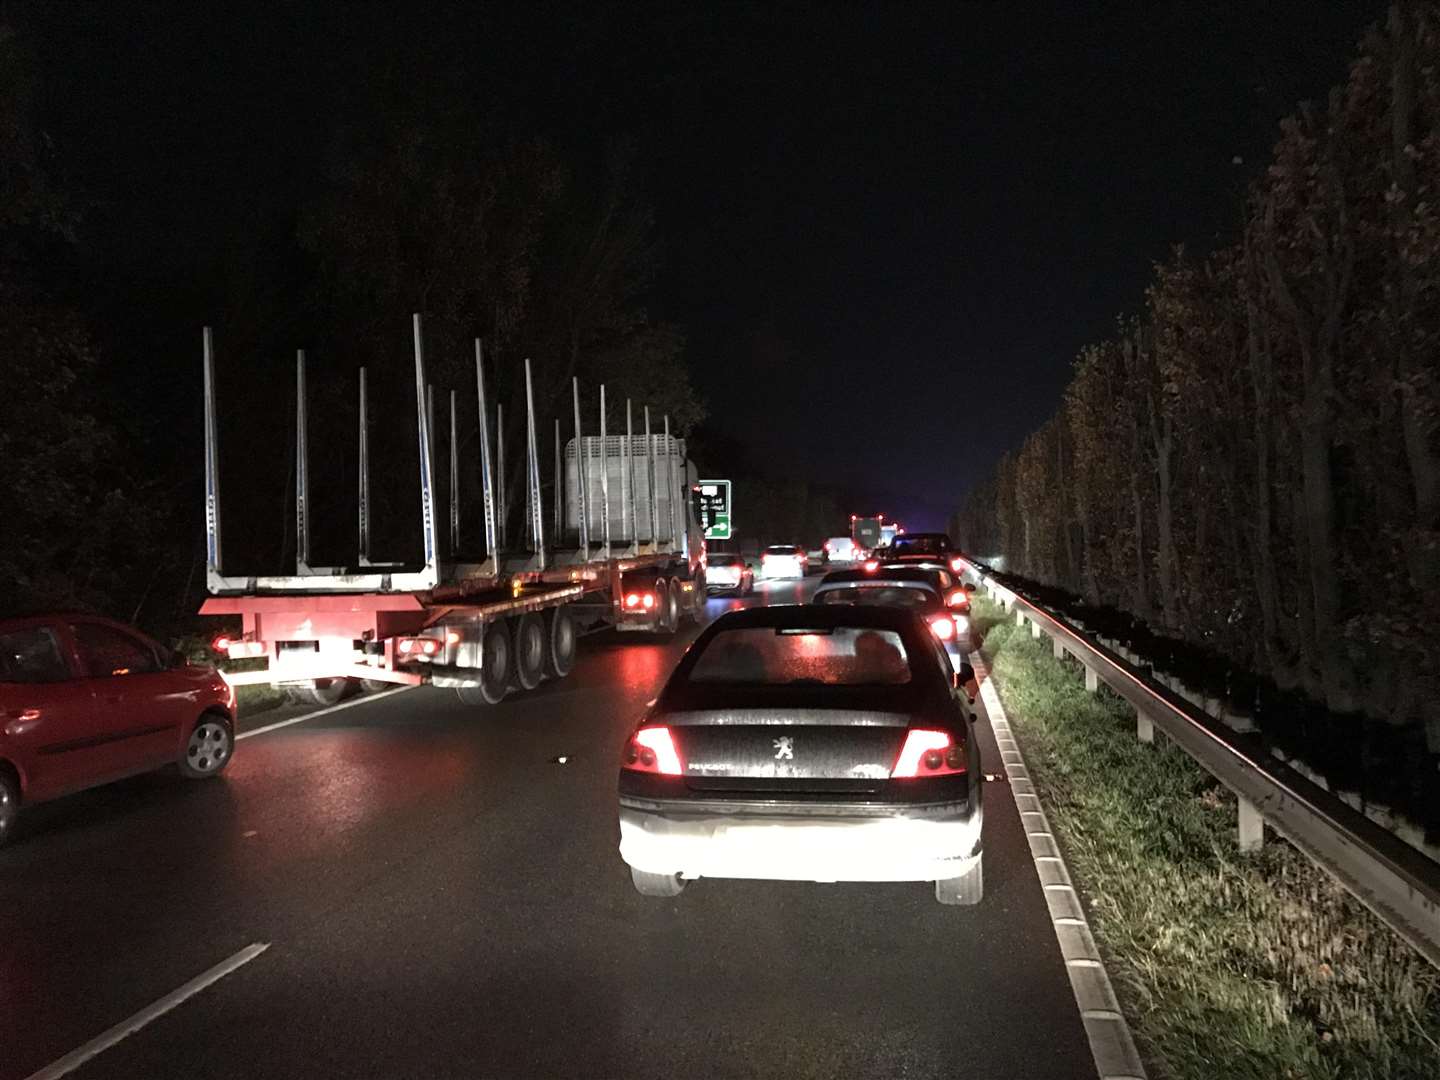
pixel 889 228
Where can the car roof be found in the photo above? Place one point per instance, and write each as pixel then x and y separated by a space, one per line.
pixel 897 573
pixel 818 616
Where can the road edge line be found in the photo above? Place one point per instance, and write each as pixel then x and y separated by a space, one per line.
pixel 320 712
pixel 1111 1043
pixel 106 1039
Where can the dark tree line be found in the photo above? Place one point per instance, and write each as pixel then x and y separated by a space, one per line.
pixel 1252 462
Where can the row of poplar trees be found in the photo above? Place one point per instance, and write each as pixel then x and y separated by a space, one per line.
pixel 1252 463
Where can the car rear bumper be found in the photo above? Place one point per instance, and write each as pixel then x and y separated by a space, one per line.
pixel 723 586
pixel 928 844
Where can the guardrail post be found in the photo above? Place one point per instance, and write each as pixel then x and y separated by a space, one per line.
pixel 1144 727
pixel 1092 680
pixel 1252 825
pixel 1034 629
pixel 1019 617
pixel 1058 648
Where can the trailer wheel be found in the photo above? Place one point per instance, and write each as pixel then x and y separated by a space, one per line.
pixel 559 642
pixel 375 686
pixel 494 670
pixel 530 649
pixel 670 604
pixel 324 693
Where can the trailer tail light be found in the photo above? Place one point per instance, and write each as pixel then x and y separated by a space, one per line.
pixel 943 627
pixel 635 601
pixel 652 750
pixel 236 648
pixel 418 648
pixel 929 753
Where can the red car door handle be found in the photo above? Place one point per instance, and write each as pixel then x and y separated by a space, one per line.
pixel 21 721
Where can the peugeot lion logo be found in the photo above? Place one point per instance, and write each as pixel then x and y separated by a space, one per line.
pixel 784 748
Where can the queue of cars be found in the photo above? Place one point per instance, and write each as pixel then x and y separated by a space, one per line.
pixel 826 741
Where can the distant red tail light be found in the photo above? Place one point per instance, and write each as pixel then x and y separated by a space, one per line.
pixel 959 599
pixel 943 627
pixel 957 564
pixel 929 753
pixel 871 565
pixel 221 645
pixel 652 750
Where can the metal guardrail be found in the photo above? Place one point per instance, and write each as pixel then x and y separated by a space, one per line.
pixel 1395 881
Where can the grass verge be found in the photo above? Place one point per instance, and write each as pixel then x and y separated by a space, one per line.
pixel 1227 965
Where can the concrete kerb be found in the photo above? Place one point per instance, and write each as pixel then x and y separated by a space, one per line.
pixel 1111 1044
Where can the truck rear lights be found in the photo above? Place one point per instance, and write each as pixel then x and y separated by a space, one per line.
pixel 639 600
pixel 236 648
pixel 652 750
pixel 418 648
pixel 929 753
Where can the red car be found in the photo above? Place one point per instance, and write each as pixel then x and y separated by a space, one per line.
pixel 84 701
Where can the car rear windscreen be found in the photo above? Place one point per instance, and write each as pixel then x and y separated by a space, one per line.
pixel 881 595
pixel 725 560
pixel 770 656
pixel 782 549
pixel 919 545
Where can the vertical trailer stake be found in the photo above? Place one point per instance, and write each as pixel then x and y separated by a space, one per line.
pixel 302 471
pixel 364 500
pixel 454 481
pixel 487 480
pixel 212 467
pixel 581 468
pixel 627 481
pixel 501 511
pixel 650 482
pixel 427 462
pixel 670 483
pixel 532 471
pixel 604 479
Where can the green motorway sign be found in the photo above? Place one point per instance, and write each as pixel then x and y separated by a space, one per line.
pixel 712 506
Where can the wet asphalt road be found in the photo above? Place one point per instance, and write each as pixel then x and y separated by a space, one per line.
pixel 441 897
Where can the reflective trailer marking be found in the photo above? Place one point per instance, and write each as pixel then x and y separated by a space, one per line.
pixel 125 1028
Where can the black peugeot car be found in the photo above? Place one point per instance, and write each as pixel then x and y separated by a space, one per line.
pixel 807 743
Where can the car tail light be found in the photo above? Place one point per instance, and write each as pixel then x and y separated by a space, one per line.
pixel 929 753
pixel 959 598
pixel 943 627
pixel 221 645
pixel 957 564
pixel 418 648
pixel 962 624
pixel 652 750
pixel 871 565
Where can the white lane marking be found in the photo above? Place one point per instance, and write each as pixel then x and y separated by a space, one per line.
pixel 106 1040
pixel 321 712
pixel 1111 1044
